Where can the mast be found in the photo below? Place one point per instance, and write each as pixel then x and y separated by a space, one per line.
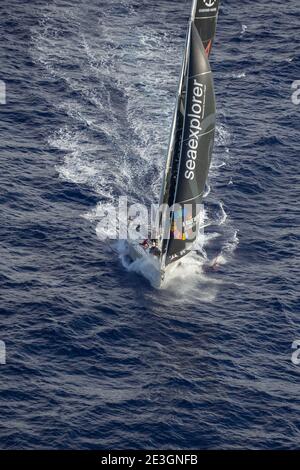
pixel 186 169
pixel 172 137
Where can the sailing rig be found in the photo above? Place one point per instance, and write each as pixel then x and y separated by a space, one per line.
pixel 190 147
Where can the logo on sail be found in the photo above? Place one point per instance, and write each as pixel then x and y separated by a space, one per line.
pixel 207 6
pixel 209 3
pixel 195 128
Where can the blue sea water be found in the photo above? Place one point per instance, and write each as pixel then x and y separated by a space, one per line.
pixel 96 357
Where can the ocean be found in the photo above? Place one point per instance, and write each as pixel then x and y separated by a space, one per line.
pixel 96 357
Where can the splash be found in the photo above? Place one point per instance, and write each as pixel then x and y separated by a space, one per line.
pixel 244 29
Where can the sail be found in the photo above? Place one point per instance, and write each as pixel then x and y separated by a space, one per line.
pixel 205 20
pixel 190 148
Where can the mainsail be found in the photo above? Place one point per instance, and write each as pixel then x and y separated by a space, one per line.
pixel 192 136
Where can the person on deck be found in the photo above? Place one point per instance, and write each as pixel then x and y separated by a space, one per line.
pixel 145 244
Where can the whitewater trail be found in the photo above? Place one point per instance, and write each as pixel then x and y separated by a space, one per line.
pixel 117 147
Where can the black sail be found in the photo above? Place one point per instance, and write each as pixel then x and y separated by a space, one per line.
pixel 198 132
pixel 190 148
pixel 205 20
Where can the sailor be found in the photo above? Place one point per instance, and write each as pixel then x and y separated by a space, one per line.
pixel 154 250
pixel 145 244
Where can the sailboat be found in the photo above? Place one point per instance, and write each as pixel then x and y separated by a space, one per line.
pixel 190 149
